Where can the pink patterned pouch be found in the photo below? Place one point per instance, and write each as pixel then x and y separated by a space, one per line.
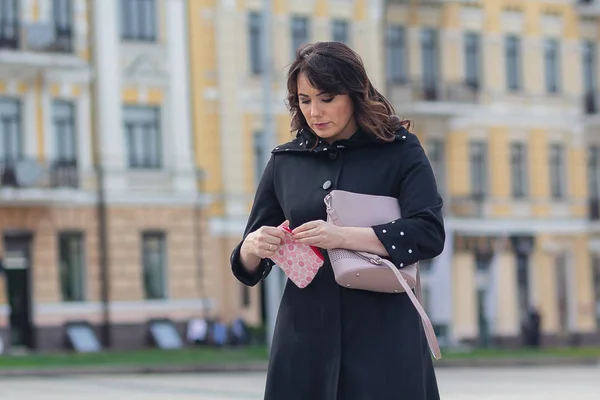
pixel 299 261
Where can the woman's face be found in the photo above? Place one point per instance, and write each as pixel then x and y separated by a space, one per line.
pixel 331 117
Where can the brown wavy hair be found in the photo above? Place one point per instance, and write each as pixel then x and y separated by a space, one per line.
pixel 335 68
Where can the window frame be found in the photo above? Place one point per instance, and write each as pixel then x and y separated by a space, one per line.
pixel 479 169
pixel 513 62
pixel 132 12
pixel 161 236
pixel 12 152
pixel 81 239
pixel 152 152
pixel 396 54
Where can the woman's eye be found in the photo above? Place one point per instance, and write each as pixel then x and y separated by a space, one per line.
pixel 329 100
pixel 305 101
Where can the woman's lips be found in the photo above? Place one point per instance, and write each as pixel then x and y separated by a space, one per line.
pixel 321 125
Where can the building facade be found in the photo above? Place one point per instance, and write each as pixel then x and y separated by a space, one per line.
pixel 503 97
pixel 100 214
pixel 503 94
pixel 133 132
pixel 228 105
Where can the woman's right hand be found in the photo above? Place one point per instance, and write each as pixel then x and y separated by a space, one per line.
pixel 261 244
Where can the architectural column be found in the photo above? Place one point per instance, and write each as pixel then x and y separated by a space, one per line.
pixel 451 48
pixel 47 121
pixel 506 318
pixel 413 47
pixel 464 296
pixel 230 115
pixel 108 110
pixel 441 293
pixel 29 118
pixel 374 54
pixel 179 96
pixel 83 128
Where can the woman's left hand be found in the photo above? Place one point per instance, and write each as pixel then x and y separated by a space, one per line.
pixel 320 234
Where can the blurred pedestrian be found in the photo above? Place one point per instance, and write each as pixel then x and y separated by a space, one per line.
pixel 331 342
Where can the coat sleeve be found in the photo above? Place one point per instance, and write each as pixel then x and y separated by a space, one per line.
pixel 419 234
pixel 265 211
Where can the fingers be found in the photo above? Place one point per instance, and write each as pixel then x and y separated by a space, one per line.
pixel 311 241
pixel 307 230
pixel 305 227
pixel 267 240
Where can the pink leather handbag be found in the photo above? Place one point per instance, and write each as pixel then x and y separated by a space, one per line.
pixel 366 271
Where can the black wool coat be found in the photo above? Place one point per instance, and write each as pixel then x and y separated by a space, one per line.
pixel 330 342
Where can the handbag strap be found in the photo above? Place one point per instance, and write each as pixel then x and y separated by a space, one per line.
pixel 416 300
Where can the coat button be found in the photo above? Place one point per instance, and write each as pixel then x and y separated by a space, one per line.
pixel 327 185
pixel 333 156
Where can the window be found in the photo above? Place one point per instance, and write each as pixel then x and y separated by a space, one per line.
pixel 552 65
pixel 589 66
pixel 9 24
pixel 71 266
pixel 518 170
pixel 429 52
pixel 259 152
pixel 153 265
pixel 478 156
pixel 299 33
pixel 64 167
pixel 557 171
pixel 138 20
pixel 63 16
pixel 513 62
pixel 63 121
pixel 438 160
pixel 472 59
pixel 594 171
pixel 396 54
pixel 340 31
pixel 589 76
pixel 11 140
pixel 144 141
pixel 255 37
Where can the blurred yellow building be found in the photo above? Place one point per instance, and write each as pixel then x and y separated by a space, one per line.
pixel 503 96
pixel 85 84
pixel 131 139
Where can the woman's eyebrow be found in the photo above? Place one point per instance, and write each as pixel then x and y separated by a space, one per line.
pixel 318 94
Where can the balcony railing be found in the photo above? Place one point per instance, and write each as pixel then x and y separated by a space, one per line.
pixel 33 174
pixel 439 92
pixel 468 206
pixel 37 37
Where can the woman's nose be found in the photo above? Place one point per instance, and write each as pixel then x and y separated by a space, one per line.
pixel 315 111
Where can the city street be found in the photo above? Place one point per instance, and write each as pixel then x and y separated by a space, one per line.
pixel 579 383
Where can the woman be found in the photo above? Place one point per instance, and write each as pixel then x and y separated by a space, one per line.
pixel 333 343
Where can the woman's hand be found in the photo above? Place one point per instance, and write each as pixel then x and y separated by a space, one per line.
pixel 264 242
pixel 320 234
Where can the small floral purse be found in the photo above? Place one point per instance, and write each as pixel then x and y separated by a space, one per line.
pixel 299 261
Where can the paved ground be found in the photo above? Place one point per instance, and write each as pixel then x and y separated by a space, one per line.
pixel 579 383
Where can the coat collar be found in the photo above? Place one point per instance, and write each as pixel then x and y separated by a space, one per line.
pixel 305 142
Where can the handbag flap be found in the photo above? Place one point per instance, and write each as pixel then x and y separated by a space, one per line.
pixel 362 210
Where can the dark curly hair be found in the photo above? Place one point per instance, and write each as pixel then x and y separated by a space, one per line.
pixel 335 68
